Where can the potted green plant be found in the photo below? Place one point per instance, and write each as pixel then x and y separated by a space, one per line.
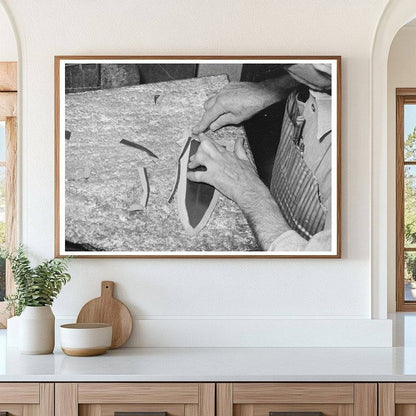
pixel 36 289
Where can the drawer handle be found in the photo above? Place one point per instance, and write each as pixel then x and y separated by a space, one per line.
pixel 138 414
pixel 296 414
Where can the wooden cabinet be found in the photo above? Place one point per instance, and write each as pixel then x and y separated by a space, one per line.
pixel 106 399
pixel 397 399
pixel 27 399
pixel 207 399
pixel 264 399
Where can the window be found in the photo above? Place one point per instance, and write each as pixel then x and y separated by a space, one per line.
pixel 406 199
pixel 8 170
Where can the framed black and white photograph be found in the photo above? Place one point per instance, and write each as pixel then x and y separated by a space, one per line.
pixel 197 156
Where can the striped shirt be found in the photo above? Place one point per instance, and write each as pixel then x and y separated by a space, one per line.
pixel 301 178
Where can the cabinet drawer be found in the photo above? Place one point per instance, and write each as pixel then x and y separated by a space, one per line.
pixel 153 399
pixel 297 399
pixel 138 393
pixel 142 409
pixel 397 399
pixel 21 399
pixel 19 393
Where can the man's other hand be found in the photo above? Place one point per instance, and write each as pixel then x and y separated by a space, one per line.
pixel 235 103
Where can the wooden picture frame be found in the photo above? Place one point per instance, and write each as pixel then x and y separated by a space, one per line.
pixel 103 102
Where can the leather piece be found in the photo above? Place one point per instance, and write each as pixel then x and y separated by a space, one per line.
pixel 138 146
pixel 196 201
pixel 198 195
pixel 178 172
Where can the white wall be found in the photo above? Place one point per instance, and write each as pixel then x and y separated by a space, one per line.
pixel 8 47
pixel 183 300
pixel 401 74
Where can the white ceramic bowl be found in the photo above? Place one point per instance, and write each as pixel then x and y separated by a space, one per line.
pixel 83 340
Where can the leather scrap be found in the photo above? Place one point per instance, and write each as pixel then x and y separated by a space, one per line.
pixel 138 146
pixel 144 198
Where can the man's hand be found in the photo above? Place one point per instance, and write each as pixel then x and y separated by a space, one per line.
pixel 235 103
pixel 234 176
pixel 231 173
pixel 239 101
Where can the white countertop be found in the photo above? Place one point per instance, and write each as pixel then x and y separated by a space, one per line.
pixel 213 364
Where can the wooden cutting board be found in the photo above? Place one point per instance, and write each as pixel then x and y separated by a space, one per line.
pixel 107 309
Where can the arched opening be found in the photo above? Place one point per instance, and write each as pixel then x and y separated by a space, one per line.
pixel 8 148
pixel 401 110
pixel 396 15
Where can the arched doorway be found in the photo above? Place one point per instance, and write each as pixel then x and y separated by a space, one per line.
pixel 396 14
pixel 8 148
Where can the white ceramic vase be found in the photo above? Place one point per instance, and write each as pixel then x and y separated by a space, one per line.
pixel 37 330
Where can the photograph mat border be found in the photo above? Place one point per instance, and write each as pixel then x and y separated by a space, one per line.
pixel 61 61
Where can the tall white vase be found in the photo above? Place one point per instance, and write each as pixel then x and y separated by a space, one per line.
pixel 37 330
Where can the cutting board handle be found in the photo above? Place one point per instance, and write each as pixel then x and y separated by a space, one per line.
pixel 107 289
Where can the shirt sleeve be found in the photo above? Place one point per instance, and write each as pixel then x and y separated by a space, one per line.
pixel 316 77
pixel 292 241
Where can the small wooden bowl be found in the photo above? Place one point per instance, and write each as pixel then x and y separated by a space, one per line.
pixel 85 340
